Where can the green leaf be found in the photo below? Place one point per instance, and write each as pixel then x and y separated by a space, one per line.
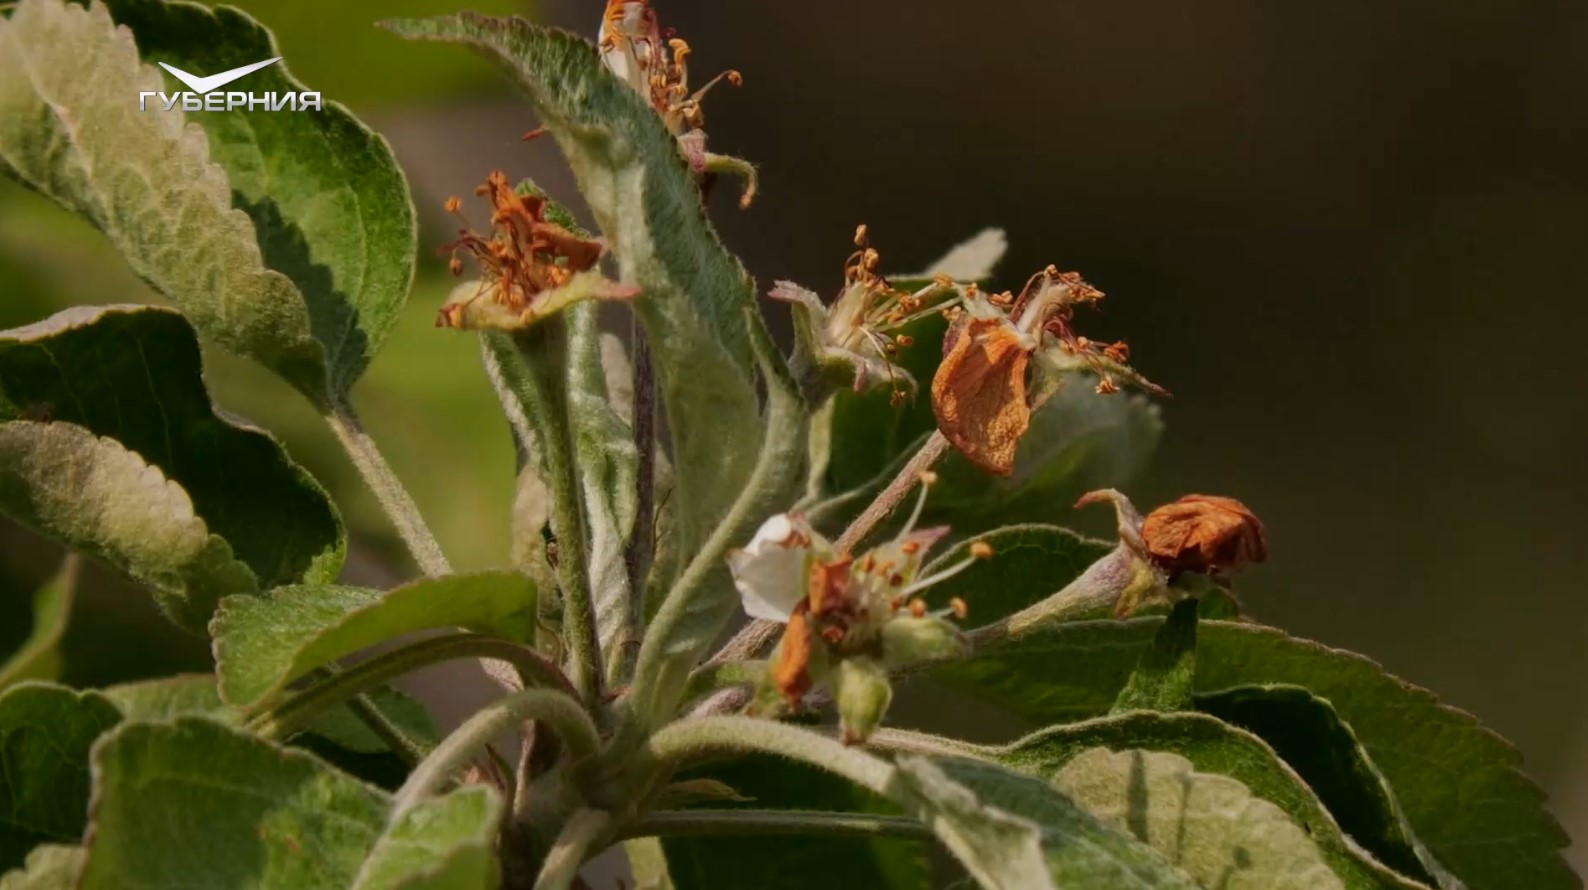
pixel 134 374
pixel 107 501
pixel 607 462
pixel 1162 678
pixel 1215 747
pixel 1458 784
pixel 39 658
pixel 48 867
pixel 1209 825
pixel 1015 827
pixel 328 202
pixel 195 803
pixel 170 697
pixel 263 643
pixel 70 127
pixel 443 843
pixel 1029 563
pixel 1307 732
pixel 341 726
pixel 786 863
pixel 648 207
pixel 1078 442
pixel 45 735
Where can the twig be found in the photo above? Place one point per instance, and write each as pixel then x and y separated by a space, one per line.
pixel 388 490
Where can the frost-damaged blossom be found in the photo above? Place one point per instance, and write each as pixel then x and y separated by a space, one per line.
pixel 980 393
pixel 656 65
pixel 849 621
pixel 530 267
pixel 857 339
pixel 1197 534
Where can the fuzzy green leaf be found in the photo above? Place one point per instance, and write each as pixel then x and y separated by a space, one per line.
pixel 607 460
pixel 648 207
pixel 1078 441
pixel 39 658
pixel 1029 563
pixel 785 863
pixel 1307 732
pixel 104 500
pixel 1010 828
pixel 1162 678
pixel 263 643
pixel 70 127
pixel 198 695
pixel 48 867
pixel 134 374
pixel 1459 785
pixel 195 803
pixel 444 843
pixel 1210 826
pixel 1215 747
pixel 45 735
pixel 328 202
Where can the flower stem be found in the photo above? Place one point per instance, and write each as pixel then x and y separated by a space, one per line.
pixel 688 823
pixel 583 830
pixel 754 637
pixel 554 709
pixel 388 489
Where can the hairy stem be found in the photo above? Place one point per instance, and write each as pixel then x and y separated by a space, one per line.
pixel 573 846
pixel 754 637
pixel 689 823
pixel 641 539
pixel 294 714
pixel 686 740
pixel 411 752
pixel 388 489
pixel 554 709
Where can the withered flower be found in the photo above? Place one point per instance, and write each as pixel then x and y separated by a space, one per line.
pixel 530 267
pixel 656 65
pixel 848 620
pixel 859 336
pixel 980 392
pixel 1202 533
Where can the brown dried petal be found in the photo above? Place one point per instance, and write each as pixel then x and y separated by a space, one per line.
pixel 791 668
pixel 1204 533
pixel 979 393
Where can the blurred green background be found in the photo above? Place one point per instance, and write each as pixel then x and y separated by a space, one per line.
pixel 1348 236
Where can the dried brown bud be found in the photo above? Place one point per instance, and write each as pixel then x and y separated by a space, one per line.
pixel 1204 533
pixel 453 204
pixel 979 393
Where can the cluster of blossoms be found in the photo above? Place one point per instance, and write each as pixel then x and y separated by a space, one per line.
pixel 656 65
pixel 849 621
pixel 530 266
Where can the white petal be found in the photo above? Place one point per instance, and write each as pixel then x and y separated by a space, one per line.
pixel 770 572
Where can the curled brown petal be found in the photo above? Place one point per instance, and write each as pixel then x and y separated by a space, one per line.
pixel 791 668
pixel 1204 533
pixel 979 393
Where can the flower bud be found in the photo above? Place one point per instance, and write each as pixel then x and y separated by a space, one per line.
pixel 1204 534
pixel 860 686
pixel 909 641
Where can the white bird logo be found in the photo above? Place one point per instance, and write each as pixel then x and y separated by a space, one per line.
pixel 215 81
